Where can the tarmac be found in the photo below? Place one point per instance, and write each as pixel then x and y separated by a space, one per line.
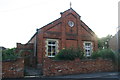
pixel 90 76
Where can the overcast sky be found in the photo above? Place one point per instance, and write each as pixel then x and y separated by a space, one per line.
pixel 19 19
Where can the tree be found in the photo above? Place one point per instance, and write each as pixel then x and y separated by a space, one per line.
pixel 103 42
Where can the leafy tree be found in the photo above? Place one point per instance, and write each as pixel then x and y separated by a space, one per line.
pixel 9 54
pixel 103 42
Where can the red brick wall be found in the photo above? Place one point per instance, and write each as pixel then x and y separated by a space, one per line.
pixel 25 46
pixel 27 53
pixel 67 36
pixel 71 43
pixel 40 47
pixel 54 68
pixel 113 44
pixel 13 69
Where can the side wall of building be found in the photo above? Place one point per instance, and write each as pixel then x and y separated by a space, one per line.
pixel 119 41
pixel 114 42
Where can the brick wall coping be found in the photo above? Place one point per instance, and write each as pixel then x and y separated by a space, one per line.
pixel 78 59
pixel 11 60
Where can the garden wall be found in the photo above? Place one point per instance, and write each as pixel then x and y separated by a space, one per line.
pixel 13 69
pixel 28 54
pixel 55 68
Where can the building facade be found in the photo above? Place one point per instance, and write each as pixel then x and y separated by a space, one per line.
pixel 114 42
pixel 67 31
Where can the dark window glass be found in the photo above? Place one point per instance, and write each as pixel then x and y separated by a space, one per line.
pixel 49 42
pixel 52 42
pixel 53 54
pixel 49 48
pixel 49 54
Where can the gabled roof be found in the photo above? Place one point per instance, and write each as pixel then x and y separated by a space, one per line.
pixel 32 37
pixel 86 26
pixel 59 18
pixel 71 10
pixel 50 23
pixel 66 13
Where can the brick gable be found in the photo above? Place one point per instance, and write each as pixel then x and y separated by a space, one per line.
pixel 65 35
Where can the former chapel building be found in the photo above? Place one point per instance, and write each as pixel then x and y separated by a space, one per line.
pixel 67 31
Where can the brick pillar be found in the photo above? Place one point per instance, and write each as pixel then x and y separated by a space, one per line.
pixel 63 37
pixel 40 48
pixel 96 43
pixel 79 32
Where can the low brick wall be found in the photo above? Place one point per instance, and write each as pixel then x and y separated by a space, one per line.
pixel 55 68
pixel 13 69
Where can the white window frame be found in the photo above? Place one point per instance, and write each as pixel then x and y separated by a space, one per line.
pixel 46 46
pixel 91 48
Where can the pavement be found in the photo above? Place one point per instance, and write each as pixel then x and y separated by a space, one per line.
pixel 90 76
pixel 32 72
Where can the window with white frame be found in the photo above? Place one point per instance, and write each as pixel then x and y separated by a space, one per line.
pixel 88 48
pixel 51 47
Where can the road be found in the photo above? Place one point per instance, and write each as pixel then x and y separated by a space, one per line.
pixel 92 76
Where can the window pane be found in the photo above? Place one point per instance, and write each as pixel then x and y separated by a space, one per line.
pixel 49 54
pixel 88 49
pixel 53 49
pixel 53 42
pixel 49 42
pixel 49 48
pixel 88 53
pixel 53 54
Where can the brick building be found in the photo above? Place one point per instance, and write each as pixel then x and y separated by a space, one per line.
pixel 67 31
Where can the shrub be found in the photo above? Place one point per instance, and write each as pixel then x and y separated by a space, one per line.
pixel 69 54
pixel 95 55
pixel 105 54
pixel 108 54
pixel 9 54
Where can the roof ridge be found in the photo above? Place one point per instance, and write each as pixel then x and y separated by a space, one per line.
pixel 86 26
pixel 49 23
pixel 71 9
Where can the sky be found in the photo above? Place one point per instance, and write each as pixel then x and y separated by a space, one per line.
pixel 19 19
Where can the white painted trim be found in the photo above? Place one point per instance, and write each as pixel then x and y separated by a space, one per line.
pixel 91 47
pixel 46 46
